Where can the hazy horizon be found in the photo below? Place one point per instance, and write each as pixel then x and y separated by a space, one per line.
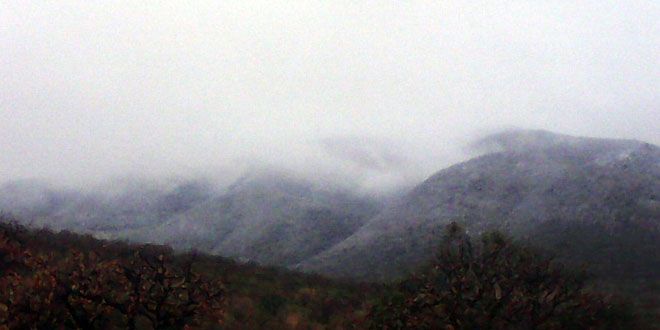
pixel 381 93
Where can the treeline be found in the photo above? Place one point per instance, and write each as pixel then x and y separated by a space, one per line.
pixel 65 280
pixel 81 290
pixel 69 281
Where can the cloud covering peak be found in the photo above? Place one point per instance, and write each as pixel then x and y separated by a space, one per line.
pixel 90 90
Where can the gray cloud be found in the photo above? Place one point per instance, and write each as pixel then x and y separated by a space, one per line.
pixel 91 90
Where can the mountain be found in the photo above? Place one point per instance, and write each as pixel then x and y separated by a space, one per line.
pixel 588 200
pixel 107 210
pixel 268 217
pixel 32 198
pixel 585 199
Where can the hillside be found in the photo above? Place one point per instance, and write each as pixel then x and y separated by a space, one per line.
pixel 268 218
pixel 63 280
pixel 589 200
pixel 48 280
pixel 109 209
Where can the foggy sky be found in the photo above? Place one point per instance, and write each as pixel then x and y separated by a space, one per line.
pixel 386 91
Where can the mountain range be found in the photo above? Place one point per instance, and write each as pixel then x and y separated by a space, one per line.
pixel 586 200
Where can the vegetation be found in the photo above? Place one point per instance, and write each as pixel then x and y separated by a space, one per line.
pixel 81 290
pixel 63 280
pixel 494 285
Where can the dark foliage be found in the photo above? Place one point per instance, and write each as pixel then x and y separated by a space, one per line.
pixel 64 280
pixel 494 284
pixel 69 281
pixel 81 290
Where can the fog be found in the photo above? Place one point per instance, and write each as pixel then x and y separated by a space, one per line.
pixel 382 93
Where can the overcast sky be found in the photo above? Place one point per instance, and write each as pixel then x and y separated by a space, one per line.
pixel 387 90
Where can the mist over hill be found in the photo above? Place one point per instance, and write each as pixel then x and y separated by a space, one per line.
pixel 269 216
pixel 347 140
pixel 588 201
pixel 536 185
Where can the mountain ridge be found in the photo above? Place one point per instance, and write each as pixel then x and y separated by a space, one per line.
pixel 512 190
pixel 526 183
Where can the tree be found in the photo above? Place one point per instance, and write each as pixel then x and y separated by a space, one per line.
pixel 495 284
pixel 84 291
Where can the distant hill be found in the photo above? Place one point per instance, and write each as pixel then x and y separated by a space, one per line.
pixel 266 216
pixel 271 218
pixel 588 200
pixel 108 209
